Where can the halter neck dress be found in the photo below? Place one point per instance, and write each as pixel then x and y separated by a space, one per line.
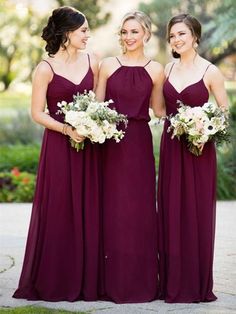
pixel 129 206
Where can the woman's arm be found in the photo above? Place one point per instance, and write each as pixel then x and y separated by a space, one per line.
pixel 157 100
pixel 216 85
pixel 94 67
pixel 102 80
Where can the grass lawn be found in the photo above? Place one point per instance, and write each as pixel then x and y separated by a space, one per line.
pixel 35 310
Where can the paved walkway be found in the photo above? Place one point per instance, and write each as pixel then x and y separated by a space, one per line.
pixel 14 219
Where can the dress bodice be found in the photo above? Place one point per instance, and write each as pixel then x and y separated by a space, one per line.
pixel 61 88
pixel 193 95
pixel 130 88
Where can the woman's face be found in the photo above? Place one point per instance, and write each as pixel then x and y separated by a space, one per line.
pixel 181 38
pixel 132 35
pixel 78 38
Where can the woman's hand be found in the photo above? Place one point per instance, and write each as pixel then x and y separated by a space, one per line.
pixel 200 147
pixel 74 135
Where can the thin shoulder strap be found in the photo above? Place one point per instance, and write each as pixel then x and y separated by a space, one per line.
pixel 89 60
pixel 170 70
pixel 119 61
pixel 206 69
pixel 49 65
pixel 147 63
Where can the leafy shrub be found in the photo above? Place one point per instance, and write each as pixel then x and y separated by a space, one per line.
pixel 17 127
pixel 25 157
pixel 16 186
pixel 226 176
pixel 226 161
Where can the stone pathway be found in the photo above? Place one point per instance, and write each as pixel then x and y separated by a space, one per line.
pixel 14 220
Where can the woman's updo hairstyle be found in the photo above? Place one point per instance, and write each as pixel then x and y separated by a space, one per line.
pixel 62 21
pixel 142 18
pixel 191 22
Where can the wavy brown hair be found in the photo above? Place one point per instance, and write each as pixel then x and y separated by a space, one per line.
pixel 62 21
pixel 191 22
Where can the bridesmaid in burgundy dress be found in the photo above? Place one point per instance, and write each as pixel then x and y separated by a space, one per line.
pixel 130 255
pixel 61 258
pixel 187 183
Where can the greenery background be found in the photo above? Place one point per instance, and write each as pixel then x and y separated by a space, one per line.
pixel 21 48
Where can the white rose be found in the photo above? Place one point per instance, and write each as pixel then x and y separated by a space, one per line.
pixel 92 107
pixel 72 117
pixel 97 136
pixel 82 130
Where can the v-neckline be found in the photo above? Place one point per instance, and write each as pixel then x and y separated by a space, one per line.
pixel 70 80
pixel 201 80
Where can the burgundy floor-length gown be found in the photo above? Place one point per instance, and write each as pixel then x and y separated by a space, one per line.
pixel 129 205
pixel 186 208
pixel 61 258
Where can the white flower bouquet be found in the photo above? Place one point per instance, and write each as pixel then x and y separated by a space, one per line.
pixel 92 119
pixel 199 125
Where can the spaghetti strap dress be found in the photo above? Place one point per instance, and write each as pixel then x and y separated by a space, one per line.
pixel 62 250
pixel 186 208
pixel 130 258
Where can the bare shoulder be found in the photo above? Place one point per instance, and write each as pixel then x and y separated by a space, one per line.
pixel 94 59
pixel 210 69
pixel 43 70
pixel 109 61
pixel 156 66
pixel 213 74
pixel 168 67
pixel 214 70
pixel 109 65
pixel 156 71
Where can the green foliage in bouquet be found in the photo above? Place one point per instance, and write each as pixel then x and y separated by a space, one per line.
pixel 92 119
pixel 199 125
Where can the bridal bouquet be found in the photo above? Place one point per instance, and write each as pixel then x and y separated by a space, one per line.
pixel 199 125
pixel 92 119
